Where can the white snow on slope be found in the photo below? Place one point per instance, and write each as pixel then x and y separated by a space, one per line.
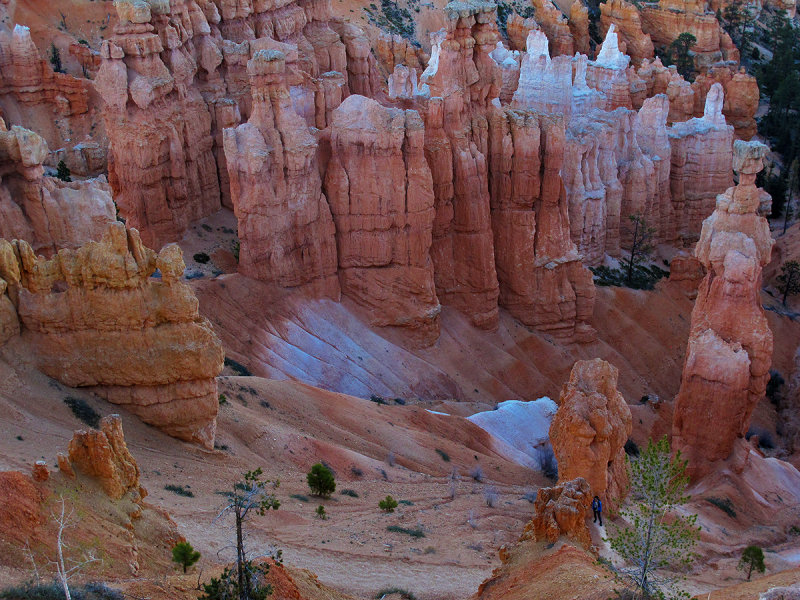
pixel 519 428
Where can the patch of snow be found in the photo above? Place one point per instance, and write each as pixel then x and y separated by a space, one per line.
pixel 436 412
pixel 520 428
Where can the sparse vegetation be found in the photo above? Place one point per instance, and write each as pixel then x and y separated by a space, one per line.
pixel 53 591
pixel 356 472
pixel 247 580
pixel 752 560
pixel 650 543
pixel 490 496
pixel 547 462
pixel 631 448
pixel 391 591
pixel 724 504
pixel 789 279
pixel 388 504
pixel 476 473
pixel 392 19
pixel 223 399
pixel 62 171
pixel 179 490
pixel 406 502
pixel 642 277
pixel 415 533
pixel 55 59
pixel 679 54
pixel 377 399
pixel 321 514
pixel 349 492
pixel 237 368
pixel 201 257
pixel 82 411
pixel 321 481
pixel 184 555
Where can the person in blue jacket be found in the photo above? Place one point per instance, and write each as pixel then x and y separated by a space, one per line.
pixel 597 510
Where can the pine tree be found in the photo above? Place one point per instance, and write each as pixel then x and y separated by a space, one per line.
pixel 791 185
pixel 247 580
pixel 321 481
pixel 752 560
pixel 656 536
pixel 184 555
pixel 55 59
pixel 63 172
pixel 789 279
pixel 641 243
pixel 680 53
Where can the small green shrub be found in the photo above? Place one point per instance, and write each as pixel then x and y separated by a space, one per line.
pixel 321 481
pixel 389 591
pixel 445 456
pixel 388 504
pixel 377 399
pixel 184 555
pixel 223 400
pixel 180 490
pixel 724 504
pixel 643 277
pixel 237 368
pixel 54 591
pixel 321 514
pixel 348 492
pixel 82 411
pixel 415 533
pixel 62 171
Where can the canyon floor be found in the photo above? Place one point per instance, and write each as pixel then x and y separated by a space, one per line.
pixel 284 425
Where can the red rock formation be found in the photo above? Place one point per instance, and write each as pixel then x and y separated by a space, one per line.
pixel 55 105
pixel 741 98
pixel 667 20
pixel 103 455
pixel 545 85
pixel 518 29
pixel 393 50
pixel 625 16
pixel 687 273
pixel 161 164
pixel 555 26
pixel 542 280
pixel 95 318
pixel 46 212
pixel 579 27
pixel 590 428
pixel 286 230
pixel 20 507
pixel 608 72
pixel 561 511
pixel 459 83
pixel 730 343
pixel 381 195
pixel 701 165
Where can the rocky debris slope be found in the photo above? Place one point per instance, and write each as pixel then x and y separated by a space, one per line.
pixel 730 342
pixel 99 486
pixel 96 317
pixel 590 428
pixel 44 211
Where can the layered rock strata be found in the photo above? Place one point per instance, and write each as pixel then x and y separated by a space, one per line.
pixel 590 428
pixel 730 342
pixel 286 230
pixel 380 191
pixel 96 317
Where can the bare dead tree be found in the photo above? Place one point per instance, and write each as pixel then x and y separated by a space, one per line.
pixel 66 566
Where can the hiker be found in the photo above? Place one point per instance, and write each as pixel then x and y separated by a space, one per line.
pixel 597 510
